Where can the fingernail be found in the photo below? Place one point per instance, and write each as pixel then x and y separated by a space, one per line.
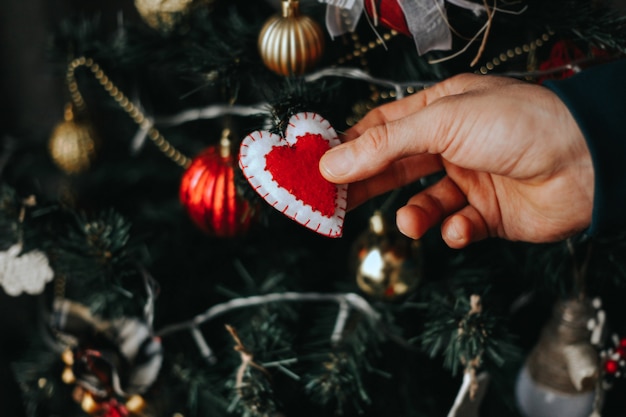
pixel 338 161
pixel 407 233
pixel 452 232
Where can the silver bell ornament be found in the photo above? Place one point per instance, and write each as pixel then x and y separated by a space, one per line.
pixel 387 264
pixel 560 375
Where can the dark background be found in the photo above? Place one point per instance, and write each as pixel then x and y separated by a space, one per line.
pixel 32 96
pixel 32 91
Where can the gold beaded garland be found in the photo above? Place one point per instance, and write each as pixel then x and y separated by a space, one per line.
pixel 138 117
pixel 515 52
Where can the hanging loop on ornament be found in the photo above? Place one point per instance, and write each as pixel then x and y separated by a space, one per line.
pixel 226 143
pixel 290 8
pixel 131 109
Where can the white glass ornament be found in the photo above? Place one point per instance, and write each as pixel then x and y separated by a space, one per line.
pixel 24 273
pixel 535 400
pixel 560 376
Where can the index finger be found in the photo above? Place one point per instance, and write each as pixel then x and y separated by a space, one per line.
pixel 403 107
pixel 428 127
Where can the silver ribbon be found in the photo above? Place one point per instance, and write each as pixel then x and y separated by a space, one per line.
pixel 342 16
pixel 426 20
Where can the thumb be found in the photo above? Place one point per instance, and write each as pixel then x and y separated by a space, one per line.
pixel 411 126
pixel 403 149
pixel 371 153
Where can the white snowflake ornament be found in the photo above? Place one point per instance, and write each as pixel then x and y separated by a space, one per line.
pixel 28 272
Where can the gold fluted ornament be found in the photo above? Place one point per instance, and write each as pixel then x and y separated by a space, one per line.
pixel 388 265
pixel 72 144
pixel 165 14
pixel 290 43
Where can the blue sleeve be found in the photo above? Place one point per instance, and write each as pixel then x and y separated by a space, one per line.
pixel 596 97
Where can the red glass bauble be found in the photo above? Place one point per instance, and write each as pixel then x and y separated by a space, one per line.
pixel 611 366
pixel 208 192
pixel 389 14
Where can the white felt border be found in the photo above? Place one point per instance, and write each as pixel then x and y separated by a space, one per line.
pixel 252 154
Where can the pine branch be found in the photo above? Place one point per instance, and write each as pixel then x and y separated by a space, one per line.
pixel 466 334
pixel 99 261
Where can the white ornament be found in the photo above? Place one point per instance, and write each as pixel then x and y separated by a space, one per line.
pixel 561 375
pixel 28 272
pixel 468 399
pixel 535 400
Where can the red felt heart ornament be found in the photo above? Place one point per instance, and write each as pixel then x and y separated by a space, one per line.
pixel 295 168
pixel 285 172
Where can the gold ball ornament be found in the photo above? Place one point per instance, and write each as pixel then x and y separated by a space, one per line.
pixel 72 144
pixel 68 376
pixel 135 404
pixel 388 265
pixel 89 404
pixel 290 43
pixel 165 14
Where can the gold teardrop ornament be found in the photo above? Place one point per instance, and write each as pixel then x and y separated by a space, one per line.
pixel 72 144
pixel 290 43
pixel 388 265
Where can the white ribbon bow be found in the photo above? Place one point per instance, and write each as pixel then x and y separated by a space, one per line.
pixel 426 19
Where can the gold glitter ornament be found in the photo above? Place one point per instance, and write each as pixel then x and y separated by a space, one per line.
pixel 290 43
pixel 89 404
pixel 388 265
pixel 135 404
pixel 165 14
pixel 72 144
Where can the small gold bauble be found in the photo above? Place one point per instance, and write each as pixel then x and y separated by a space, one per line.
pixel 89 404
pixel 135 404
pixel 68 375
pixel 388 264
pixel 72 144
pixel 291 44
pixel 165 14
pixel 68 357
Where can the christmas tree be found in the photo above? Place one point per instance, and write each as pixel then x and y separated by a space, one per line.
pixel 161 258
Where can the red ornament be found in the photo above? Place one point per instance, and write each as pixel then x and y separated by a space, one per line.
pixel 389 14
pixel 561 54
pixel 289 165
pixel 284 170
pixel 611 366
pixel 209 193
pixel 114 409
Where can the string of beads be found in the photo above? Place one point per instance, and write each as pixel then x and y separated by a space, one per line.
pixel 138 117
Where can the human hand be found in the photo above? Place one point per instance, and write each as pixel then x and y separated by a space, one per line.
pixel 517 165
